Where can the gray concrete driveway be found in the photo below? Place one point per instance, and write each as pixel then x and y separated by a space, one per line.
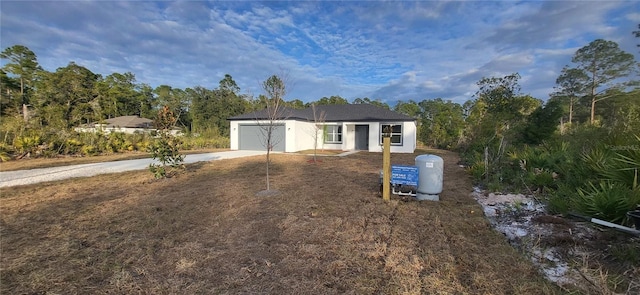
pixel 23 177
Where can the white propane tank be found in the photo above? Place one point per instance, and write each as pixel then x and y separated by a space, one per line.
pixel 430 177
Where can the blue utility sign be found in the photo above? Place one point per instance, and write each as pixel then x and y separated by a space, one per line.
pixel 404 175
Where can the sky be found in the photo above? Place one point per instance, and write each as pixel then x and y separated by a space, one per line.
pixel 387 50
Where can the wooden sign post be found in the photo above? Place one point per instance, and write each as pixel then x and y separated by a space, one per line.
pixel 386 165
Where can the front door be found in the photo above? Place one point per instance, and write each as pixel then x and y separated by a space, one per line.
pixel 362 137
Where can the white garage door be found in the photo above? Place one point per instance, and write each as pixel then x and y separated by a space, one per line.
pixel 253 137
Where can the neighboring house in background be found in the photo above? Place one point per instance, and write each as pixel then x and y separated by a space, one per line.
pixel 345 127
pixel 124 124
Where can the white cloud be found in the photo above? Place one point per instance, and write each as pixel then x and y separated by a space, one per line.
pixel 508 63
pixel 634 17
pixel 388 50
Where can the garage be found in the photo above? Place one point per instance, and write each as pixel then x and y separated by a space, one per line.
pixel 253 137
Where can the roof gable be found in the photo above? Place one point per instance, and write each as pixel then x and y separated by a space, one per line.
pixel 333 113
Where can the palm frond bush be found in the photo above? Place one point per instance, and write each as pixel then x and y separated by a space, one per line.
pixel 606 200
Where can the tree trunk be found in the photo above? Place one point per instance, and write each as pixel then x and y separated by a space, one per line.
pixel 269 140
pixel 268 159
pixel 593 109
pixel 486 164
pixel 315 143
pixel 571 101
pixel 25 112
pixel 593 96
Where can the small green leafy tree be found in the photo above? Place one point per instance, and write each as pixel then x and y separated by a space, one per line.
pixel 166 148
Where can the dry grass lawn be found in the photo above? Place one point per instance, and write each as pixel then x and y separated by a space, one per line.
pixel 321 152
pixel 205 232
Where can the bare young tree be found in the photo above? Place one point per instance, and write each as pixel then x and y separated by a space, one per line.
pixel 273 113
pixel 319 117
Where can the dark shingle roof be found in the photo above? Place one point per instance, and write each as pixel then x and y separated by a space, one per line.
pixel 285 113
pixel 129 121
pixel 334 113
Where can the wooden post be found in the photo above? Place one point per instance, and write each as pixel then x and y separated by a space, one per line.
pixel 386 167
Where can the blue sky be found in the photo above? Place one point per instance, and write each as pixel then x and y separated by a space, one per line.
pixel 395 50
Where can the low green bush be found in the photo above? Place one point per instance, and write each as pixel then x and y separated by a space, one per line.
pixel 5 152
pixel 166 150
pixel 202 142
pixel 166 147
pixel 27 143
pixel 606 200
pixel 89 150
pixel 477 170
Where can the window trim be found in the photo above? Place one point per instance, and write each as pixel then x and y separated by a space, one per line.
pixel 401 134
pixel 337 134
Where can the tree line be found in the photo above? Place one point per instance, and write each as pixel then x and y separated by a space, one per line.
pixel 74 95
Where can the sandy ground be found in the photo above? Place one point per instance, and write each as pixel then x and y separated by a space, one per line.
pixel 568 252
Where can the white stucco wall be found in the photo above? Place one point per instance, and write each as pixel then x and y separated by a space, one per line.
pixel 349 137
pixel 127 130
pixel 233 135
pixel 409 136
pixel 304 135
pixel 300 136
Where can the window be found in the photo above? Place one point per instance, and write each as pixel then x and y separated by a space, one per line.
pixel 333 134
pixel 396 133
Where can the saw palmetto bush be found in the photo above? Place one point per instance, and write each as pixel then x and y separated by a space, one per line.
pixel 5 152
pixel 606 200
pixel 27 143
pixel 615 188
pixel 619 164
pixel 539 166
pixel 624 169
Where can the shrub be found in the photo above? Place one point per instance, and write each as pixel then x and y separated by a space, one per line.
pixel 477 170
pixel 5 152
pixel 558 204
pixel 116 142
pixel 606 200
pixel 27 144
pixel 143 145
pixel 166 148
pixel 73 146
pixel 89 150
pixel 541 179
pixel 205 140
